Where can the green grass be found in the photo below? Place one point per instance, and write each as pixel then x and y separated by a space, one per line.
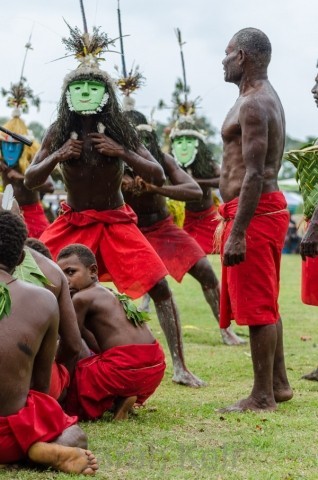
pixel 179 434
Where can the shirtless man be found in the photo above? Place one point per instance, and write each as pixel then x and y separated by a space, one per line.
pixel 95 215
pixel 180 253
pixel 129 364
pixel 309 253
pixel 32 424
pixel 69 344
pixel 192 154
pixel 42 271
pixel 14 159
pixel 255 216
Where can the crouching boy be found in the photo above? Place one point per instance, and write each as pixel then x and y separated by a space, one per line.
pixel 128 363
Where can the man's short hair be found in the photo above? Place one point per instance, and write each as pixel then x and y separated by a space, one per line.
pixel 85 254
pixel 255 44
pixel 38 246
pixel 13 234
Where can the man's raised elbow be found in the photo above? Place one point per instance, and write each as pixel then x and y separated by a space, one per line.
pixel 27 181
pixel 160 178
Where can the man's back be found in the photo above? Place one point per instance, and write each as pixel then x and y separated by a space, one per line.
pixel 102 313
pixel 28 341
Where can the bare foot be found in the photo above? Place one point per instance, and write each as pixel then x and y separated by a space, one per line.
pixel 229 337
pixel 123 406
pixel 250 403
pixel 184 377
pixel 312 375
pixel 64 459
pixel 282 391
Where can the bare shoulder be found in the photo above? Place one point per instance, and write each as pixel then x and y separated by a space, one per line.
pixel 86 297
pixel 49 268
pixel 33 295
pixel 49 132
pixel 45 144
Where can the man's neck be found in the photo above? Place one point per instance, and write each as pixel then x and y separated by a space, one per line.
pixel 5 273
pixel 252 82
pixel 88 122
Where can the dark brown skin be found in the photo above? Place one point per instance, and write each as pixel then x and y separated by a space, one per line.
pixel 309 243
pixel 92 163
pixel 69 334
pixel 146 198
pixel 28 343
pixel 253 135
pixel 23 195
pixel 70 339
pixel 207 185
pixel 98 309
pixel 92 168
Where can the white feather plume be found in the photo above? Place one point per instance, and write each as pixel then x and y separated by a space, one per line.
pixel 7 198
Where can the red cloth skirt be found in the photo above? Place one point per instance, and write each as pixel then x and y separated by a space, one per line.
pixel 201 226
pixel 121 250
pixel 60 379
pixel 35 219
pixel 41 420
pixel 178 250
pixel 249 290
pixel 309 281
pixel 122 371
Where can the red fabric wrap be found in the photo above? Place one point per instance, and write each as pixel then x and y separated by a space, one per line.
pixel 120 248
pixel 122 371
pixel 201 226
pixel 35 219
pixel 309 280
pixel 60 379
pixel 178 250
pixel 249 290
pixel 41 420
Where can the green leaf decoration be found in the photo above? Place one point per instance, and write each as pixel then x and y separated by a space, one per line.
pixel 5 300
pixel 306 162
pixel 134 316
pixel 28 271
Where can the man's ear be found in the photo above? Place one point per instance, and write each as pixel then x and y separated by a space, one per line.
pixel 93 269
pixel 22 257
pixel 241 57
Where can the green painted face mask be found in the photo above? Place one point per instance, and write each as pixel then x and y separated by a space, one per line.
pixel 86 97
pixel 184 150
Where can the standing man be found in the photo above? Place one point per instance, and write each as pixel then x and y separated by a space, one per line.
pixel 309 243
pixel 16 157
pixel 91 141
pixel 255 218
pixel 189 148
pixel 179 252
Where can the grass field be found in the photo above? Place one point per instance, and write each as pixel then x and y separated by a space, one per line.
pixel 179 434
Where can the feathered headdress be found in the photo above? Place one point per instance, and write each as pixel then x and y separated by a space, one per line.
pixel 87 49
pixel 186 126
pixel 20 92
pixel 18 96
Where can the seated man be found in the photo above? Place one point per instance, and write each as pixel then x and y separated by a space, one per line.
pixel 128 364
pixel 41 271
pixel 32 424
